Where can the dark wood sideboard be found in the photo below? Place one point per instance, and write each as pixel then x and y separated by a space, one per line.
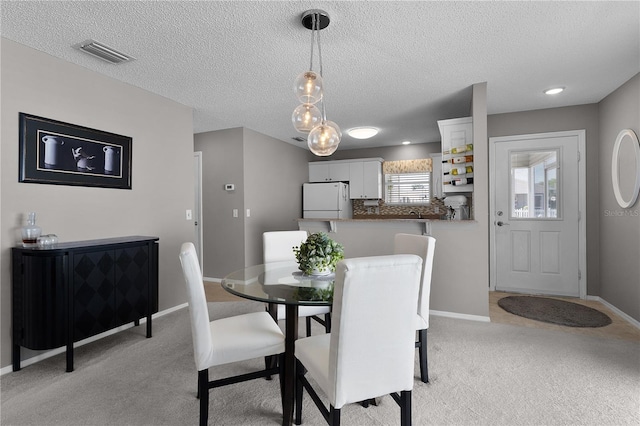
pixel 76 290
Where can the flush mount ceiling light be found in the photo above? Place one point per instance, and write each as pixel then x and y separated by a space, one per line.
pixel 554 91
pixel 362 132
pixel 406 142
pixel 102 51
pixel 324 135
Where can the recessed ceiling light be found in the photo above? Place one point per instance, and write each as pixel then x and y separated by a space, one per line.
pixel 554 91
pixel 362 132
pixel 406 142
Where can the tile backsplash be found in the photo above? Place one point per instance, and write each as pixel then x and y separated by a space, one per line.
pixel 436 207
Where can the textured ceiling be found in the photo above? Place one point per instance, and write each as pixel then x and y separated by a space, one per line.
pixel 399 66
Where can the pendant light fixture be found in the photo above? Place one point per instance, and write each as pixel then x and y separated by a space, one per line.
pixel 324 135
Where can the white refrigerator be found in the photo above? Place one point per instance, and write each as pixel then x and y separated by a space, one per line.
pixel 326 201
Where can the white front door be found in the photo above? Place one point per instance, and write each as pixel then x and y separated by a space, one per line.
pixel 537 232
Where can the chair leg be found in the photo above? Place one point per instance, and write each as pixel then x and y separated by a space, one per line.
pixel 405 408
pixel 327 322
pixel 300 370
pixel 281 376
pixel 308 323
pixel 269 362
pixel 334 416
pixel 422 353
pixel 203 391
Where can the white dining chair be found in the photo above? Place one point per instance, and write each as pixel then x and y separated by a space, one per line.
pixel 226 340
pixel 278 247
pixel 423 246
pixel 377 294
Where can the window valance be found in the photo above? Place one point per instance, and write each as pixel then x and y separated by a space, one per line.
pixel 407 166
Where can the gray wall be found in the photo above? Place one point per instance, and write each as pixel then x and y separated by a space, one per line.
pixel 162 176
pixel 560 119
pixel 222 234
pixel 268 175
pixel 388 153
pixel 460 281
pixel 619 228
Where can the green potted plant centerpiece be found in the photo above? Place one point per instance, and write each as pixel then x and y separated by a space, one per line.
pixel 318 255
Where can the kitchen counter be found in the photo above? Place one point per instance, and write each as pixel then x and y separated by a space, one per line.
pixel 424 223
pixel 395 217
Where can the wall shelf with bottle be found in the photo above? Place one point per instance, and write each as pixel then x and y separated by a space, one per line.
pixel 457 154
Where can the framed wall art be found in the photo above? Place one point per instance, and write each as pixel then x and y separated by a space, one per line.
pixel 60 153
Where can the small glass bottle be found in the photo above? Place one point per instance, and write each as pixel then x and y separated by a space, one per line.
pixel 31 232
pixel 462 181
pixel 459 170
pixel 459 160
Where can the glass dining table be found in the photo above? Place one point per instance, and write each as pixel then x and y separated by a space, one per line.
pixel 283 283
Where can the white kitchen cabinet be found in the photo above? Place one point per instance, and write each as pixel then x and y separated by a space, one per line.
pixel 365 181
pixel 457 155
pixel 329 171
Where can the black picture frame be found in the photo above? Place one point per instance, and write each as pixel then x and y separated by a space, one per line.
pixel 53 152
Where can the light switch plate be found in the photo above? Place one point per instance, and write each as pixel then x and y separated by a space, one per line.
pixel 189 215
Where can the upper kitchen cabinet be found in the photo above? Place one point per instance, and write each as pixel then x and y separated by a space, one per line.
pixel 457 154
pixel 365 179
pixel 329 171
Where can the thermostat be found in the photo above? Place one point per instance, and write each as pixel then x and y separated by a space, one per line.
pixel 229 187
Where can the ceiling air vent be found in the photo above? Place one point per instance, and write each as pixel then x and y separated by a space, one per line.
pixel 298 139
pixel 103 52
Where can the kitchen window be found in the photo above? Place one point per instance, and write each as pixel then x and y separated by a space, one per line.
pixel 408 188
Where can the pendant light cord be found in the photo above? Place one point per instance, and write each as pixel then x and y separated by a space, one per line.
pixel 313 40
pixel 315 29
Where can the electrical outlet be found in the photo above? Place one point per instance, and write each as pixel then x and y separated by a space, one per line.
pixel 189 215
pixel 235 212
pixel 248 212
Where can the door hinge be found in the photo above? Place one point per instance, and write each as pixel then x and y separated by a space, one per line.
pixel 579 157
pixel 579 215
pixel 579 274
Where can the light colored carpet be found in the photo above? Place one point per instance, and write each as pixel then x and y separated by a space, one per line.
pixel 481 374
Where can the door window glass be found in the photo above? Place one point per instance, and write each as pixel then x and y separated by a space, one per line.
pixel 534 185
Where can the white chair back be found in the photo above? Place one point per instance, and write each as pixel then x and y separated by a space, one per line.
pixel 373 334
pixel 277 246
pixel 423 246
pixel 200 330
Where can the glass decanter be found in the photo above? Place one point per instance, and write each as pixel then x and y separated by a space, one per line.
pixel 31 231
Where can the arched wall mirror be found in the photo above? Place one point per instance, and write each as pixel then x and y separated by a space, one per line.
pixel 625 168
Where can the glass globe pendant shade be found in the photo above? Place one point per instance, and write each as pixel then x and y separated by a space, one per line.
pixel 305 117
pixel 335 126
pixel 323 140
pixel 308 87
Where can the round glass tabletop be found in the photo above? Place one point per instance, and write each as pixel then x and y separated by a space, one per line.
pixel 282 283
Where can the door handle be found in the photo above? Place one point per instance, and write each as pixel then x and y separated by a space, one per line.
pixel 501 223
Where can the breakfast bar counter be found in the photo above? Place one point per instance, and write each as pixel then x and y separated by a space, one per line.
pixel 423 225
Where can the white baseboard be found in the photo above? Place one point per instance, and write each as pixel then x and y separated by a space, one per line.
pixel 48 354
pixel 459 316
pixel 617 311
pixel 53 352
